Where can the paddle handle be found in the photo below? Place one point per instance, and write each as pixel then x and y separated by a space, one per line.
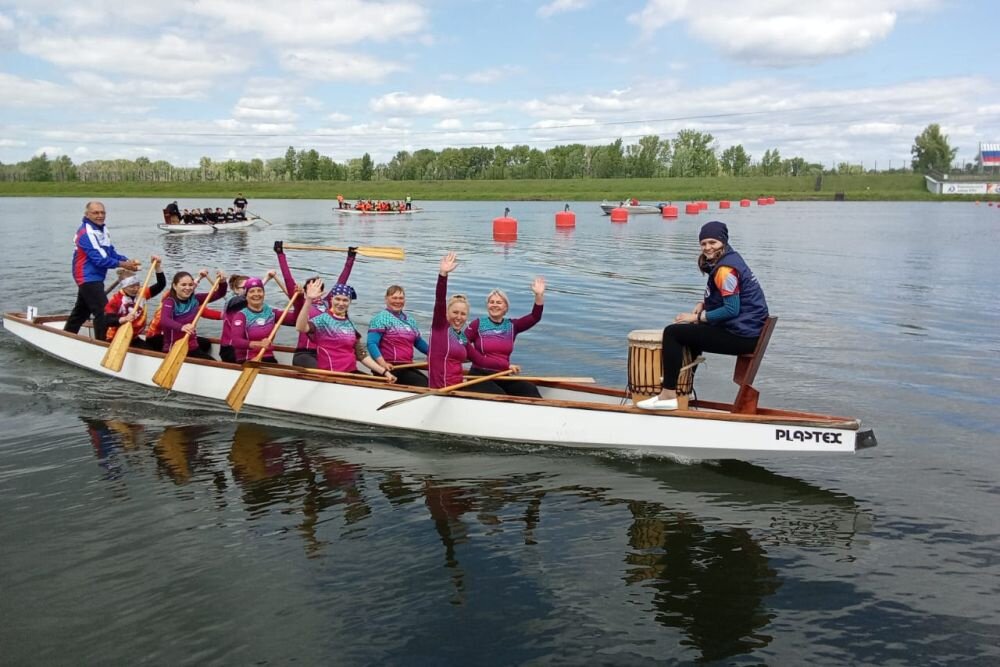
pixel 141 300
pixel 274 331
pixel 469 383
pixel 377 252
pixel 204 304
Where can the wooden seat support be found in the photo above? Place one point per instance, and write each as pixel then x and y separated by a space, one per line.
pixel 746 371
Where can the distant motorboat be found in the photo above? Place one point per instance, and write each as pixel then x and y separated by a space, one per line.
pixel 632 209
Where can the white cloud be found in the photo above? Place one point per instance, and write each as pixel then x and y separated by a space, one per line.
pixel 272 108
pixel 50 151
pixel 33 93
pixel 449 124
pixel 10 143
pixel 560 6
pixel 874 129
pixel 492 74
pixel 780 33
pixel 129 89
pixel 336 66
pixel 328 22
pixel 423 104
pixel 168 57
pixel 337 117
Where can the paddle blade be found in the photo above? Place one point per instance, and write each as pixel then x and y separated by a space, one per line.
pixel 382 253
pixel 114 358
pixel 239 392
pixel 166 374
pixel 405 399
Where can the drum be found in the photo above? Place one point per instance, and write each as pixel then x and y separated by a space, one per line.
pixel 645 367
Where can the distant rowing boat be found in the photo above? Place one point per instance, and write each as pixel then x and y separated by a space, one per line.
pixel 568 414
pixel 207 227
pixel 353 211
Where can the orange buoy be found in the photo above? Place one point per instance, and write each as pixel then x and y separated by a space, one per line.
pixel 703 205
pixel 692 208
pixel 565 218
pixel 669 211
pixel 723 204
pixel 619 215
pixel 761 201
pixel 744 203
pixel 505 226
pixel 770 200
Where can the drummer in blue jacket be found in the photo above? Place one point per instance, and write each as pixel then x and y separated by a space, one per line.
pixel 92 258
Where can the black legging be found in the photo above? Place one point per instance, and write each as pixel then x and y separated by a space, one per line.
pixel 305 359
pixel 699 338
pixel 509 387
pixel 90 302
pixel 411 377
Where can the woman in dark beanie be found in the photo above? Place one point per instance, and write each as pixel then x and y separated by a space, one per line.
pixel 728 320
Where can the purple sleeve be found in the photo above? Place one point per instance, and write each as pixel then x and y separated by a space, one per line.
pixel 238 334
pixel 217 293
pixel 439 321
pixel 472 333
pixel 345 274
pixel 529 320
pixel 286 273
pixel 167 320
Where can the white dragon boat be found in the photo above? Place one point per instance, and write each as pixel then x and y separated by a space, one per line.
pixel 207 227
pixel 574 415
pixel 354 211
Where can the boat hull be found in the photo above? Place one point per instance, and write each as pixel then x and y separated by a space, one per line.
pixel 351 211
pixel 570 415
pixel 632 210
pixel 204 228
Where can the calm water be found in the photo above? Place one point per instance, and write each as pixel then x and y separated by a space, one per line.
pixel 140 528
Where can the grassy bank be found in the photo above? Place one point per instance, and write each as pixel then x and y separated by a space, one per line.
pixel 870 187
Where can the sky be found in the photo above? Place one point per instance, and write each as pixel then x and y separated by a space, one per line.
pixel 834 81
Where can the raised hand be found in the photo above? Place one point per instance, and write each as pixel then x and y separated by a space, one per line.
pixel 448 263
pixel 314 291
pixel 203 273
pixel 538 287
pixel 279 247
pixel 155 259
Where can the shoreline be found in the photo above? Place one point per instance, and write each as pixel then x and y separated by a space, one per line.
pixel 862 187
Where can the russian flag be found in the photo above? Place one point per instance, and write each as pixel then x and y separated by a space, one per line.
pixel 989 154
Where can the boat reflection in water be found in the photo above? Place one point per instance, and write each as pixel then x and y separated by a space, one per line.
pixel 685 545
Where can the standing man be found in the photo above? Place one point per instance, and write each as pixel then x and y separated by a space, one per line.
pixel 240 203
pixel 409 202
pixel 93 256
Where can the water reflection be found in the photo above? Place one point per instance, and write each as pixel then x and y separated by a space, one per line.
pixel 693 540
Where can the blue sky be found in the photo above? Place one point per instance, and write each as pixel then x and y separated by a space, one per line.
pixel 841 80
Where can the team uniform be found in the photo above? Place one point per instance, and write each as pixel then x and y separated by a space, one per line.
pixel 492 343
pixel 93 255
pixel 393 336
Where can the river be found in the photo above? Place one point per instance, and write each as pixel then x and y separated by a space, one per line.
pixel 137 527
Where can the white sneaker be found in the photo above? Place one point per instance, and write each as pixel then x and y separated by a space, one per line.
pixel 655 403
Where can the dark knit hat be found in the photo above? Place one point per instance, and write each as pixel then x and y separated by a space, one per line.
pixel 714 230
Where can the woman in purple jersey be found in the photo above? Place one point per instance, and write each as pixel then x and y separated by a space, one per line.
pixel 251 325
pixel 305 350
pixel 392 336
pixel 337 342
pixel 179 309
pixel 491 340
pixel 449 348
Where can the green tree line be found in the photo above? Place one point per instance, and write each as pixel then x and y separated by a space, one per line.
pixel 689 154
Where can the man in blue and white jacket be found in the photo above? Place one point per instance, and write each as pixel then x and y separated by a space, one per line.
pixel 93 256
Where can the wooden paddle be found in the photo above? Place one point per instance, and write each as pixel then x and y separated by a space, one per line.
pixel 537 378
pixel 259 218
pixel 166 374
pixel 114 358
pixel 416 364
pixel 239 392
pixel 446 390
pixel 365 251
